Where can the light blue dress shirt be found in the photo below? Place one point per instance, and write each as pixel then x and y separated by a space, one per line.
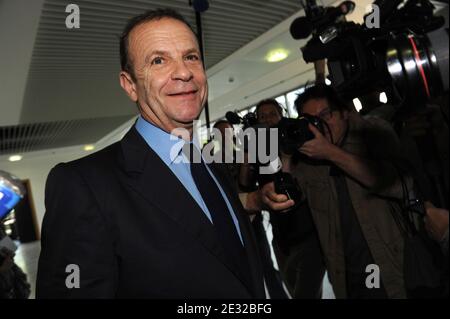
pixel 169 149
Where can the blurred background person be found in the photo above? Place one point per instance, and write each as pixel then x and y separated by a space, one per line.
pixel 13 281
pixel 348 172
pixel 295 242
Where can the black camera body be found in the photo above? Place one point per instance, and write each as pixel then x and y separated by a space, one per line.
pixel 293 133
pixel 249 120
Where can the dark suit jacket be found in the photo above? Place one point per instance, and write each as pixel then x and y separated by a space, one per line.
pixel 134 231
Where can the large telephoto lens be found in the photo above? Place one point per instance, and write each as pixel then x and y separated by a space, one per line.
pixel 418 65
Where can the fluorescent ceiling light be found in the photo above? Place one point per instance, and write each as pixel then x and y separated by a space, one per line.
pixel 88 148
pixel 277 55
pixel 15 158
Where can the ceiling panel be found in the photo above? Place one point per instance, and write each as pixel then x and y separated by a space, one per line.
pixel 73 75
pixel 228 25
pixel 20 139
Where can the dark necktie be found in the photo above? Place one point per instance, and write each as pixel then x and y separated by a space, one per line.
pixel 220 214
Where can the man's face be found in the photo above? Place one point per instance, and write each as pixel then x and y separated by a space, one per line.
pixel 268 114
pixel 170 85
pixel 336 120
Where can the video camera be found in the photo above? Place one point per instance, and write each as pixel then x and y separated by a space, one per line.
pixel 248 120
pixel 403 52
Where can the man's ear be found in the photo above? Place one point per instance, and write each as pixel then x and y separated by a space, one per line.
pixel 127 83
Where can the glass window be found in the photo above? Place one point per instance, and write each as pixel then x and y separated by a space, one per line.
pixel 282 100
pixel 243 112
pixel 203 134
pixel 291 97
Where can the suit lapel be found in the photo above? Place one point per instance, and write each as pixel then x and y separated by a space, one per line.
pixel 155 182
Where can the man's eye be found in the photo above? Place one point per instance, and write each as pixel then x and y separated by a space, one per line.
pixel 192 57
pixel 157 60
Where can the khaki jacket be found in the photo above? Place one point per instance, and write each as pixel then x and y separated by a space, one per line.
pixel 371 139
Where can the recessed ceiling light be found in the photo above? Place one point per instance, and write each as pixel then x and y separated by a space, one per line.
pixel 88 148
pixel 277 55
pixel 15 158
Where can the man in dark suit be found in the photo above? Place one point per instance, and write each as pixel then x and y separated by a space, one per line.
pixel 133 220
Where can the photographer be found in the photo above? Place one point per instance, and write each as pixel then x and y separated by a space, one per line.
pixel 347 176
pixel 225 145
pixel 268 113
pixel 295 240
pixel 242 175
pixel 423 135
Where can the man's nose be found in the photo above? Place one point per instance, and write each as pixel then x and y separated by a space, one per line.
pixel 182 72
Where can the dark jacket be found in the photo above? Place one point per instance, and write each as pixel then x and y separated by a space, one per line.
pixel 374 140
pixel 134 231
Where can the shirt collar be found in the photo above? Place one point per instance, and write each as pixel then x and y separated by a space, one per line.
pixel 166 145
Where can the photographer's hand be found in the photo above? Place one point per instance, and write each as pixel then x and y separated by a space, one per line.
pixel 318 148
pixel 321 148
pixel 274 201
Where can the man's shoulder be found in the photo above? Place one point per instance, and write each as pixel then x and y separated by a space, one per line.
pixel 376 138
pixel 94 164
pixel 368 121
pixel 103 157
pixel 372 127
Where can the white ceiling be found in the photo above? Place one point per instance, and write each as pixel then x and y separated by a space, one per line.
pixel 56 76
pixel 51 74
pixel 255 78
pixel 74 73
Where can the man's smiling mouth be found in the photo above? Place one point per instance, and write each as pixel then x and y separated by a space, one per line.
pixel 184 93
